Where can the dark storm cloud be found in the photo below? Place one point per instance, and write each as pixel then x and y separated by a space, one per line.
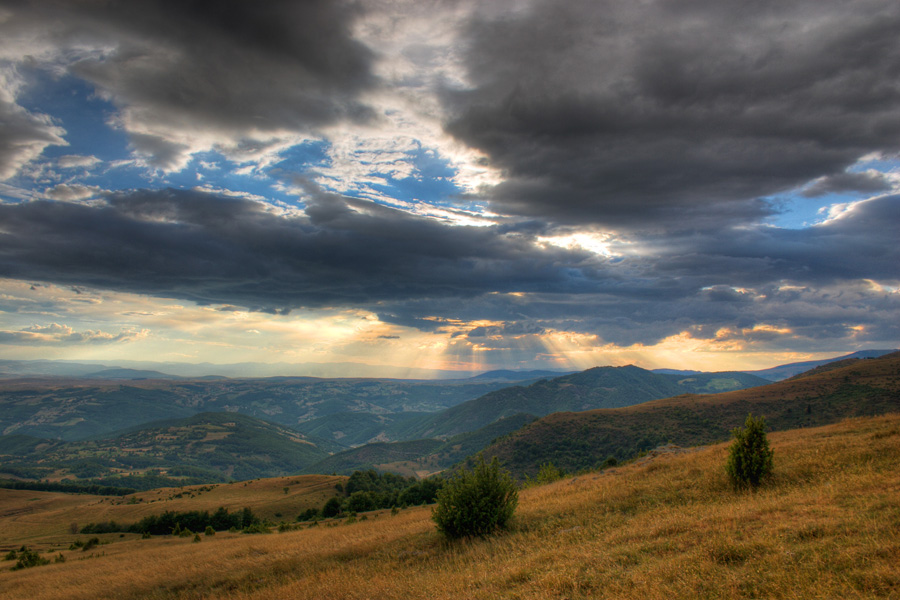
pixel 869 183
pixel 812 281
pixel 231 66
pixel 662 114
pixel 217 250
pixel 425 274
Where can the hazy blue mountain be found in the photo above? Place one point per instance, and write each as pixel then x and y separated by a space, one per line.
pixel 789 370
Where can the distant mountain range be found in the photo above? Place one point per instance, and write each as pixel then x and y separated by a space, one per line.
pixel 123 420
pixel 600 387
pixel 18 368
pixel 784 371
pixel 72 408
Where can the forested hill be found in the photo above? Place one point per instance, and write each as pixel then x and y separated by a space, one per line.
pixel 202 448
pixel 577 440
pixel 600 387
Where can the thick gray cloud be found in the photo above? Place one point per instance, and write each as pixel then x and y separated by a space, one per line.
pixel 871 182
pixel 217 250
pixel 660 114
pixel 23 136
pixel 343 252
pixel 232 67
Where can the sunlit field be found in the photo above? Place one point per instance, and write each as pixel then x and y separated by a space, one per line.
pixel 826 526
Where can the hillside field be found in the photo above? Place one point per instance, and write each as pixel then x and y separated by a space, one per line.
pixel 669 526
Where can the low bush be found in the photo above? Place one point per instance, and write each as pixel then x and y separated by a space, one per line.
pixel 476 502
pixel 749 457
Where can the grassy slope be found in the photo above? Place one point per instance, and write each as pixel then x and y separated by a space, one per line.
pixel 43 519
pixel 826 526
pixel 574 441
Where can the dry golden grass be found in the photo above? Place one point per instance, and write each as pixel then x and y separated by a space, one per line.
pixel 826 526
pixel 43 520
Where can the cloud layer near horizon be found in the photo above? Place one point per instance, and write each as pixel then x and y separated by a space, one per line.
pixel 486 171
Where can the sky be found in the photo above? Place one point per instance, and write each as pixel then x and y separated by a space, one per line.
pixel 423 185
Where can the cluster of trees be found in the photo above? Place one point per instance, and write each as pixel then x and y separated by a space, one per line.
pixel 371 490
pixel 95 489
pixel 172 521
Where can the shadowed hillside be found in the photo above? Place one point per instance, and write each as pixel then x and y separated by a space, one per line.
pixel 74 409
pixel 600 387
pixel 419 458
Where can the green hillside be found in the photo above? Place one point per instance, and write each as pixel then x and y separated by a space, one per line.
pixel 73 409
pixel 419 457
pixel 357 428
pixel 373 456
pixel 600 387
pixel 204 447
pixel 580 440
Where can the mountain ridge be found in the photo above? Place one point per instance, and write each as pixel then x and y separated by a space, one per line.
pixel 577 440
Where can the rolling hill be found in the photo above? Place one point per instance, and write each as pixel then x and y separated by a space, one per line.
pixel 578 440
pixel 419 458
pixel 74 409
pixel 206 447
pixel 600 387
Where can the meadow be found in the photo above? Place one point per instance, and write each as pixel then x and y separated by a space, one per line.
pixel 827 525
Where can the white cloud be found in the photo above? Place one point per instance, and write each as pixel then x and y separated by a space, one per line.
pixel 75 161
pixel 55 334
pixel 74 192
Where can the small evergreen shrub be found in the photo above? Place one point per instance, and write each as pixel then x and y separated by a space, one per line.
pixel 749 457
pixel 476 502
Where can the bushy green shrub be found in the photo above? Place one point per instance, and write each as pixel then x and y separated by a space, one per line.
pixel 29 558
pixel 548 473
pixel 332 508
pixel 476 502
pixel 749 457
